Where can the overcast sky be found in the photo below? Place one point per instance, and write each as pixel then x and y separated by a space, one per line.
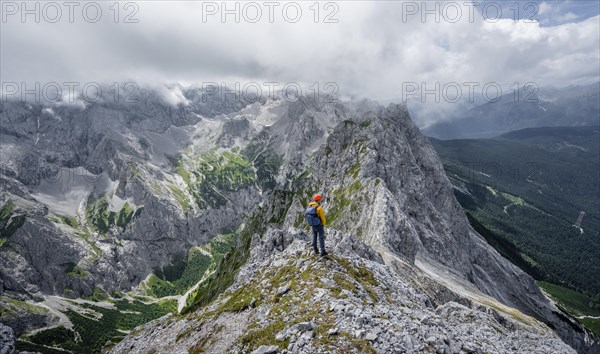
pixel 371 48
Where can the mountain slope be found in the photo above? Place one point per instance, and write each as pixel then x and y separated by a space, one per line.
pixel 388 191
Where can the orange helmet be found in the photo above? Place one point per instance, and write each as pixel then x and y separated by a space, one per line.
pixel 317 197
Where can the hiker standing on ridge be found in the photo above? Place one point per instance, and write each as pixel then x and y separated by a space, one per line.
pixel 315 216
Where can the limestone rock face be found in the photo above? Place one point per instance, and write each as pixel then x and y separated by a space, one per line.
pixel 7 340
pixel 406 273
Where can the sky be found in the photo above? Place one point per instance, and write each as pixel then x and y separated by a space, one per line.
pixel 384 50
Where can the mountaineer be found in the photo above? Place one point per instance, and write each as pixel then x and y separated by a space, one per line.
pixel 315 216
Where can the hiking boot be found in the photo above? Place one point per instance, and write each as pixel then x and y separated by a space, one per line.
pixel 324 254
pixel 316 251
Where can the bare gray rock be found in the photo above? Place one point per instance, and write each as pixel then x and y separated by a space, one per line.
pixel 7 340
pixel 266 349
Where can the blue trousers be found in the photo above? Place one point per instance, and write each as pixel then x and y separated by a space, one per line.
pixel 319 231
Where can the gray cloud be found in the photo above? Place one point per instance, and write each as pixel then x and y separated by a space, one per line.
pixel 371 51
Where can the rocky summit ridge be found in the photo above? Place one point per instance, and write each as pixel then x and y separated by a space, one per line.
pixel 294 302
